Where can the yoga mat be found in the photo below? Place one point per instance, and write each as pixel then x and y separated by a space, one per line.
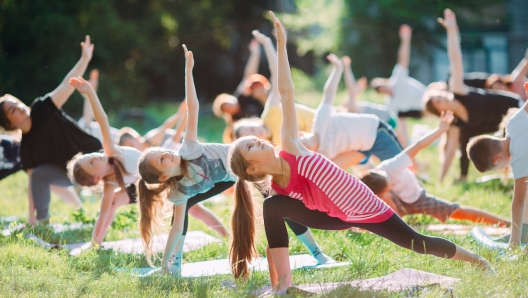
pixel 485 239
pixel 397 281
pixel 9 218
pixel 194 240
pixel 57 228
pixel 460 229
pixel 208 268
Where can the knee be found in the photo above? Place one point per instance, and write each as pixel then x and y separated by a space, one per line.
pixel 273 203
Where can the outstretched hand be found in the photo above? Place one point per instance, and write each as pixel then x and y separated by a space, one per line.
pixel 334 60
pixel 346 61
pixel 81 85
pixel 526 87
pixel 449 20
pixel 446 119
pixel 87 47
pixel 259 36
pixel 405 32
pixel 279 29
pixel 189 59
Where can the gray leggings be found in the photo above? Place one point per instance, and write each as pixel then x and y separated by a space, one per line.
pixel 42 178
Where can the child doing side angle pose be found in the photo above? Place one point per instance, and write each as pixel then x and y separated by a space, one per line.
pixel 491 153
pixel 116 167
pixel 394 183
pixel 197 172
pixel 312 191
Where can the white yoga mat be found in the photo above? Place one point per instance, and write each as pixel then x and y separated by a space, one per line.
pixel 208 268
pixel 397 281
pixel 57 228
pixel 194 240
pixel 486 240
pixel 461 229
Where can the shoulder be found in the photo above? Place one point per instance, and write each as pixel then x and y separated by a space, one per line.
pixel 42 103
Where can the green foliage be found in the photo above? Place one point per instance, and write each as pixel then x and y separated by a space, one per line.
pixel 81 216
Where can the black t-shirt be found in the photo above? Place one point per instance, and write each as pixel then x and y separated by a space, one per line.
pixel 249 107
pixel 54 137
pixel 486 107
pixel 9 158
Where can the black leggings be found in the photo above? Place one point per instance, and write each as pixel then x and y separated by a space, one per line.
pixel 219 188
pixel 394 229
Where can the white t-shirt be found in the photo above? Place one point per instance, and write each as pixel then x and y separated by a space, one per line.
pixel 342 132
pixel 130 162
pixel 404 183
pixel 517 132
pixel 375 109
pixel 407 92
pixel 207 166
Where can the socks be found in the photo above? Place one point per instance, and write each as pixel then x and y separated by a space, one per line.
pixel 308 240
pixel 524 235
pixel 175 260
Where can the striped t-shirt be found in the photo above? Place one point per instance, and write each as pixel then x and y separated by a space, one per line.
pixel 321 185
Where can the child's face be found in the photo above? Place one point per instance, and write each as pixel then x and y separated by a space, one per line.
pixel 253 130
pixel 386 195
pixel 95 165
pixel 166 162
pixel 256 151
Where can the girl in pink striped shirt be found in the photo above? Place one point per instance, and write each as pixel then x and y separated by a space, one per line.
pixel 312 191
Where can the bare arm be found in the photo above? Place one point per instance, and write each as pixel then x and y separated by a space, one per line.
pixel 456 81
pixel 106 205
pixel 87 108
pixel 181 128
pixel 175 234
pixel 289 131
pixel 251 65
pixel 85 88
pixel 404 51
pixel 522 69
pixel 65 90
pixel 274 96
pixel 350 82
pixel 450 148
pixel 519 197
pixel 330 88
pixel 193 106
pixel 445 121
pixel 155 136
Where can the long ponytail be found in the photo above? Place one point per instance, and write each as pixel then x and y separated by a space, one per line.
pixel 242 248
pixel 119 170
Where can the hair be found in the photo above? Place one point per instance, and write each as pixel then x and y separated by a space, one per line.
pixel 151 198
pixel 495 78
pixel 219 101
pixel 375 180
pixel 79 176
pixel 243 219
pixel 4 122
pixel 481 151
pixel 126 133
pixel 433 90
pixel 376 83
pixel 255 79
pixel 505 120
pixel 245 122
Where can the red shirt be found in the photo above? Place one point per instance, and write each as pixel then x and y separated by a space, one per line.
pixel 321 185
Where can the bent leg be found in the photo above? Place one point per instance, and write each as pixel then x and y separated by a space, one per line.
pixel 42 177
pixel 202 213
pixel 68 195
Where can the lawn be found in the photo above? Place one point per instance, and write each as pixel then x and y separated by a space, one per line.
pixel 29 270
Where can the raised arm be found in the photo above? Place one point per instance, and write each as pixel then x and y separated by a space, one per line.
pixel 289 131
pixel 351 85
pixel 330 88
pixel 404 51
pixel 456 81
pixel 65 90
pixel 100 116
pixel 251 65
pixel 181 126
pixel 445 121
pixel 155 136
pixel 521 70
pixel 274 96
pixel 193 106
pixel 87 108
pixel 448 150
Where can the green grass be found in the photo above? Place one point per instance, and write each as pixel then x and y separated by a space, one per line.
pixel 30 271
